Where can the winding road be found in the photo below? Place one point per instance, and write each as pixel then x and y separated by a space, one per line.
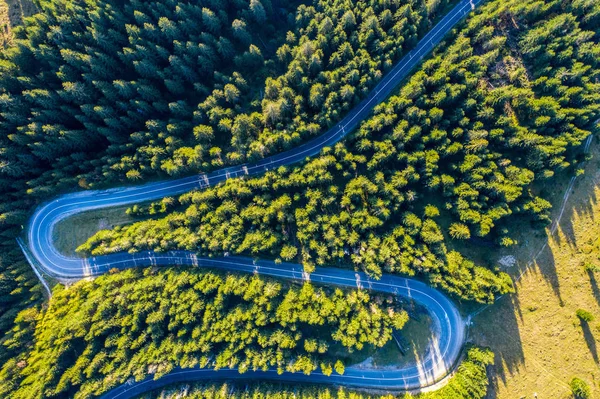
pixel 449 328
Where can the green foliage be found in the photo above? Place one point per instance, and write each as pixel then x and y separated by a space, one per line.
pixel 459 231
pixel 18 290
pixel 580 388
pixel 96 93
pixel 584 315
pixel 288 252
pixel 154 208
pixel 431 211
pixel 591 267
pixel 474 127
pixel 469 382
pixel 97 334
pixel 99 92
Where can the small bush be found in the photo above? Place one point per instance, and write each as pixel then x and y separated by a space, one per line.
pixel 584 315
pixel 580 388
pixel 591 267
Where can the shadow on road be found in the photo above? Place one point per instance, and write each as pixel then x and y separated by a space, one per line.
pixel 427 377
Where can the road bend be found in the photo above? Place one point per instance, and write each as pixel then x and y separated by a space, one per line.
pixel 448 326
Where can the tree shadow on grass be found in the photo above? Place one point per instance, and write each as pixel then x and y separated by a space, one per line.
pixel 594 285
pixel 546 265
pixel 589 339
pixel 501 332
pixel 571 211
pixel 581 209
pixel 503 319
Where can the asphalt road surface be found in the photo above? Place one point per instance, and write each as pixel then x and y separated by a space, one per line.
pixel 448 337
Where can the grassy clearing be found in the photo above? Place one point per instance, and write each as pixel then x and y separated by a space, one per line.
pixel 75 230
pixel 539 342
pixel 415 336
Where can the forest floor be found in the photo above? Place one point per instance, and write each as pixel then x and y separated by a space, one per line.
pixel 540 344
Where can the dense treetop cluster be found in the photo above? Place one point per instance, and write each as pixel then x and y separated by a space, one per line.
pixel 469 382
pixel 96 93
pixel 97 334
pixel 99 91
pixel 451 157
